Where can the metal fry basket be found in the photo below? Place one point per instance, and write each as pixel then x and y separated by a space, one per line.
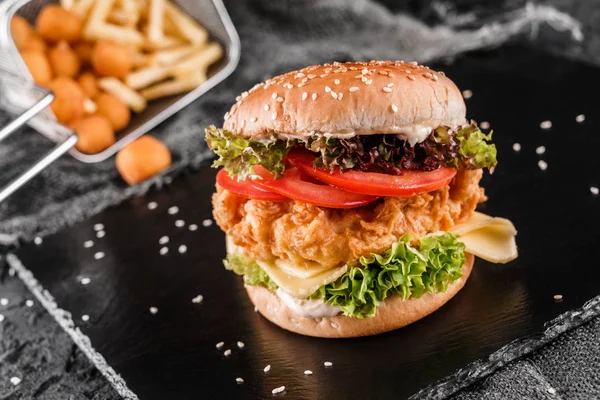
pixel 20 96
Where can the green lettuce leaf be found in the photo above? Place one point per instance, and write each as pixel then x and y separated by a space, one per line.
pixel 253 274
pixel 238 156
pixel 403 270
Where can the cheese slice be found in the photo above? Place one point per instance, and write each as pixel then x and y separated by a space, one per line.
pixel 296 286
pixel 306 270
pixel 490 238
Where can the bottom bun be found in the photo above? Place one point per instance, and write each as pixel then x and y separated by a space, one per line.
pixel 392 314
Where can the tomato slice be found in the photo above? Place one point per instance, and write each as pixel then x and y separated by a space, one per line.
pixel 406 185
pixel 247 189
pixel 294 185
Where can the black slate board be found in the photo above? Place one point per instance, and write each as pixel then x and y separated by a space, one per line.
pixel 172 354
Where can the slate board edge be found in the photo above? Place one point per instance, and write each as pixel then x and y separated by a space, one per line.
pixel 479 369
pixel 65 321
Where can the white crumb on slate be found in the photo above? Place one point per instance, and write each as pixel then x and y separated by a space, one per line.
pixel 88 243
pixel 580 118
pixel 517 147
pixel 484 125
pixel 227 353
pixel 153 310
pixel 15 380
pixel 308 372
pixel 240 345
pixel 193 227
pixel 207 222
pixel 551 390
pixel 594 190
pixel 219 345
pixel 152 205
pixel 558 297
pixel 99 255
pixel 98 227
pixel 163 240
pixel 546 124
pixel 29 303
pixel 198 299
pixel 267 368
pixel 182 249
pixel 38 240
pixel 239 381
pixel 1 317
pixel 85 318
pixel 173 210
pixel 100 234
pixel 278 390
pixel 163 250
pixel 85 281
pixel 543 165
pixel 4 301
pixel 467 94
pixel 328 364
pixel 540 150
pixel 179 223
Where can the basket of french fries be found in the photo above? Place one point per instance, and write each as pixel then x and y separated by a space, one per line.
pixel 110 70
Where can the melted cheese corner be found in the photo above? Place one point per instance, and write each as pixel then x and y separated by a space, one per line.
pixel 490 238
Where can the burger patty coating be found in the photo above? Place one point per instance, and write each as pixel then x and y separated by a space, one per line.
pixel 302 233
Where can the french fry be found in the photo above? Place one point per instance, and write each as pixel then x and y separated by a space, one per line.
pixel 171 30
pixel 166 42
pixel 140 59
pixel 67 4
pixel 185 25
pixel 155 21
pixel 89 107
pixel 175 86
pixel 171 56
pixel 133 10
pixel 124 93
pixel 120 17
pixel 146 76
pixel 200 61
pixel 98 15
pixel 82 8
pixel 118 34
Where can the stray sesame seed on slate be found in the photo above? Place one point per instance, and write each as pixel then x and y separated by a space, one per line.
pixel 100 234
pixel 88 243
pixel 29 303
pixel 179 223
pixel 4 301
pixel 99 255
pixel 98 227
pixel 85 317
pixel 239 381
pixel 219 345
pixel 594 190
pixel 328 364
pixel 153 310
pixel 467 94
pixel 1 317
pixel 517 147
pixel 163 240
pixel 546 124
pixel 484 125
pixel 580 118
pixel 308 372
pixel 173 210
pixel 240 344
pixel 227 353
pixel 278 390
pixel 543 165
pixel 85 281
pixel 198 299
pixel 163 250
pixel 207 222
pixel 182 249
pixel 38 240
pixel 267 368
pixel 15 380
pixel 540 150
pixel 558 297
pixel 152 205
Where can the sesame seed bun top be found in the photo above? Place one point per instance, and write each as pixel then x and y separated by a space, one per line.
pixel 349 98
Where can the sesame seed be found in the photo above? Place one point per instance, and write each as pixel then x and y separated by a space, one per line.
pixel 4 301
pixel 324 75
pixel 467 94
pixel 427 75
pixel 15 380
pixel 244 95
pixel 239 381
pixel 153 310
pixel 219 345
pixel 580 118
pixel 88 243
pixel 179 223
pixel 308 372
pixel 387 90
pixel 358 77
pixel 37 240
pixel 238 98
pixel 274 116
pixel 353 89
pixel 278 390
pixel 435 77
pixel 546 124
pixel 207 222
pixel 173 210
pixel 327 89
pixel 163 250
pixel 198 299
pixel 558 297
pixel 274 96
pixel 391 84
pixel 152 205
pixel 243 123
pixel 364 71
pixel 517 147
pixel 163 240
pixel 328 364
pixel 85 281
pixel 253 119
pixel 29 303
pixel 334 325
pixel 311 76
pixel 99 255
pixel 267 107
pixel 543 165
pixel 300 84
pixel 314 96
pixel 334 95
pixel 182 249
pixel 1 317
pixel 394 108
pixel 279 99
pixel 226 116
pixel 337 81
pixel 412 78
pixel 304 96
pixel 340 96
pixel 368 82
pixel 227 353
pixel 594 190
pixel 85 317
pixel 484 125
pixel 98 227
pixel 240 345
pixel 289 86
pixel 540 150
pixel 551 390
pixel 267 368
pixel 100 234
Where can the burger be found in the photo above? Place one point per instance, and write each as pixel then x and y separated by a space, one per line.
pixel 347 195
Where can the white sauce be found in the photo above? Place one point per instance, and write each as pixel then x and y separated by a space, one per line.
pixel 308 308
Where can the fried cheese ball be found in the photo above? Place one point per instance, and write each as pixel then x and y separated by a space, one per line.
pixel 20 30
pixel 111 59
pixel 54 24
pixel 114 109
pixel 39 66
pixel 88 83
pixel 68 99
pixel 95 134
pixel 142 159
pixel 64 60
